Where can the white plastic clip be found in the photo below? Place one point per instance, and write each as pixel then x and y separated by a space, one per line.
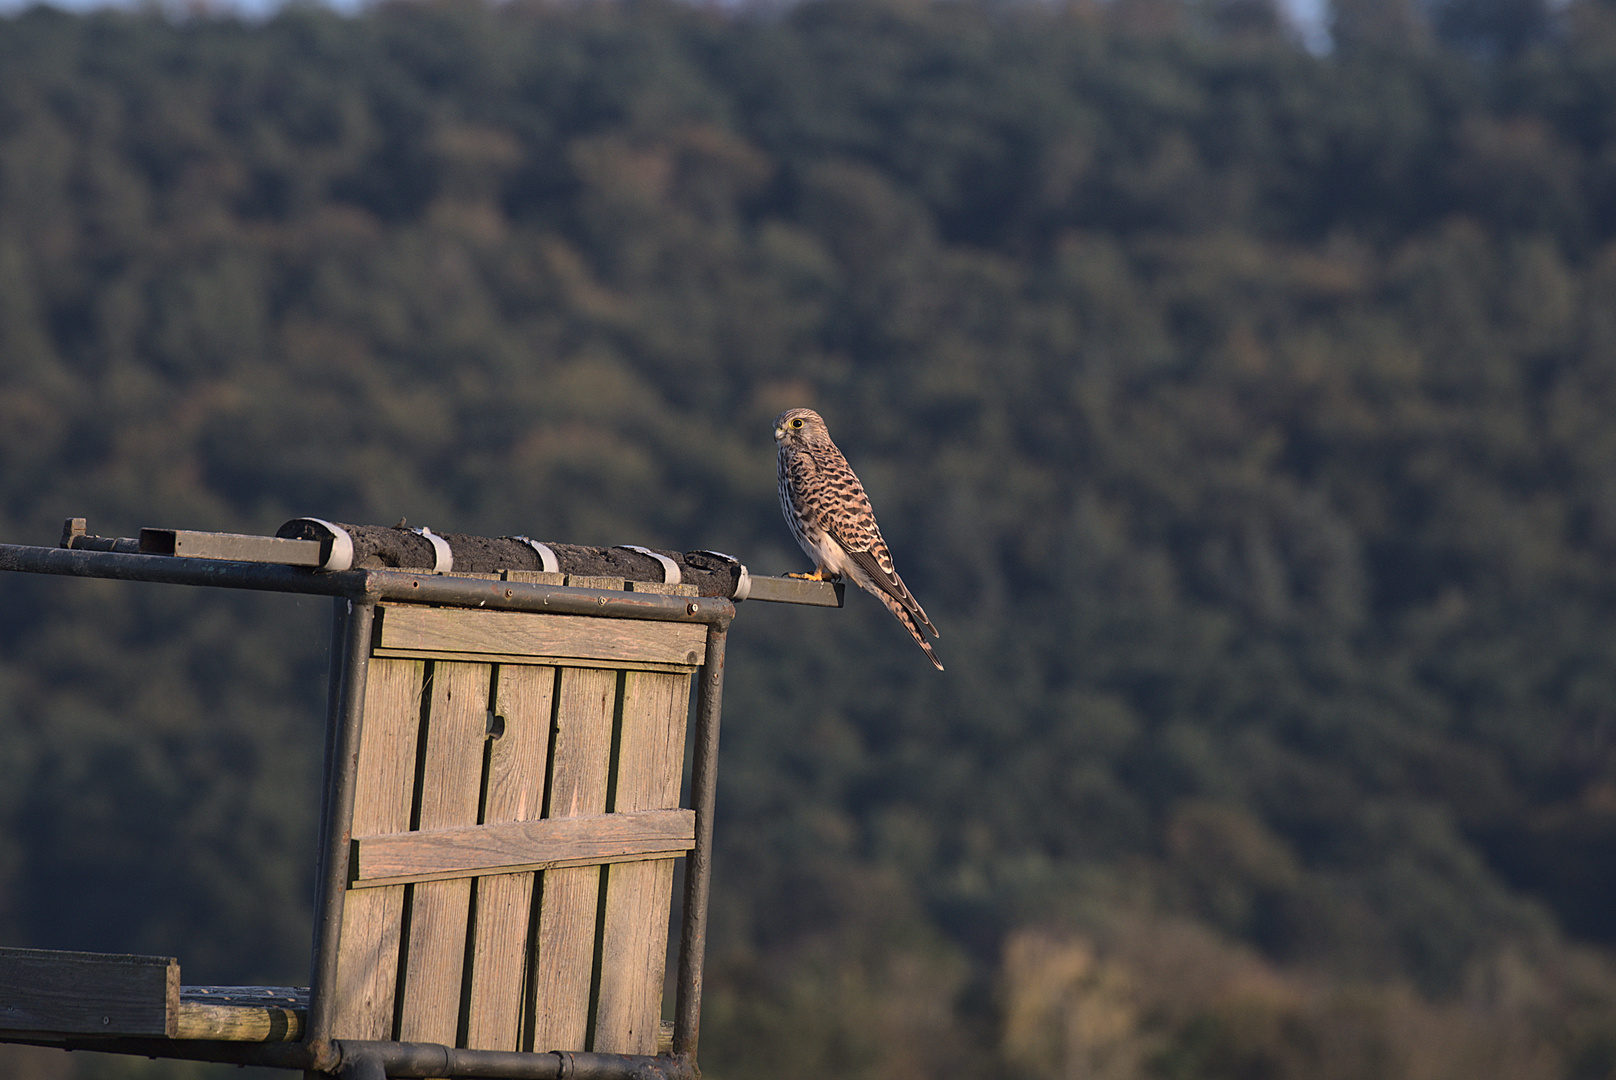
pixel 547 558
pixel 670 569
pixel 743 584
pixel 440 549
pixel 341 557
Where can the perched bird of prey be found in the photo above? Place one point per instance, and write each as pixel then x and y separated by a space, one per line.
pixel 830 516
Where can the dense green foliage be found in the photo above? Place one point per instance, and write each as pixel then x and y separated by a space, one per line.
pixel 1243 416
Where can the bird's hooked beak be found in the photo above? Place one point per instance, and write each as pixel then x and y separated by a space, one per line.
pixel 779 433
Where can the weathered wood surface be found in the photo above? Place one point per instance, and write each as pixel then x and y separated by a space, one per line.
pixel 564 950
pixel 456 731
pixel 372 919
pixel 450 631
pixel 523 697
pixel 527 658
pixel 494 892
pixel 509 847
pixel 661 588
pixel 596 581
pixel 242 1013
pixel 634 935
pixel 535 577
pixel 49 990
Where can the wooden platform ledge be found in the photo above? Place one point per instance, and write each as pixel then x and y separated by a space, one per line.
pixel 48 992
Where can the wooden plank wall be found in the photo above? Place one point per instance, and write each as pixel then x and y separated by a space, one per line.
pixel 463 730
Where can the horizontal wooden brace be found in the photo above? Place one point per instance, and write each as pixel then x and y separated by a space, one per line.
pixel 455 632
pixel 508 847
pixel 545 661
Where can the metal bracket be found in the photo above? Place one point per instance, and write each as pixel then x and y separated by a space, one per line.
pixel 670 569
pixel 547 557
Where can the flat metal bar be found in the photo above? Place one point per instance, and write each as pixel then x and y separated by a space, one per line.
pixel 788 590
pixel 236 547
pixel 348 719
pixel 698 865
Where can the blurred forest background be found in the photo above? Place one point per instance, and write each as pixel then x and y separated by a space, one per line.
pixel 1242 413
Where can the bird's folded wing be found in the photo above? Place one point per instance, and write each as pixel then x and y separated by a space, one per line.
pixel 890 584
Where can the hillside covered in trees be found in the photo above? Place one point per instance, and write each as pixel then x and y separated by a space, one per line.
pixel 1242 414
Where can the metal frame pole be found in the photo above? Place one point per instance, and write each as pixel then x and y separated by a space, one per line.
pixel 698 868
pixel 336 656
pixel 344 728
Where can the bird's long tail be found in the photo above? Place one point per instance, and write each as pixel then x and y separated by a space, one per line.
pixel 896 607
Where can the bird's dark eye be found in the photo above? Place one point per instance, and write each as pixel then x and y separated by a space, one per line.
pixel 797 422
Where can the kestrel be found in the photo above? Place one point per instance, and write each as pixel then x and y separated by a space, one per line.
pixel 830 516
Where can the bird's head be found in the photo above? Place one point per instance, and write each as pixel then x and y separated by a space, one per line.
pixel 800 427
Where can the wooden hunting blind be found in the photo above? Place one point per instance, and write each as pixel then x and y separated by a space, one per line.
pixel 501 813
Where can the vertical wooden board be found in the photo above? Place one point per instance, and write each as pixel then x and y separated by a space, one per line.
pixel 451 788
pixel 634 949
pixel 651 748
pixel 634 941
pixel 516 773
pixel 583 742
pixel 564 949
pixel 517 761
pixel 367 963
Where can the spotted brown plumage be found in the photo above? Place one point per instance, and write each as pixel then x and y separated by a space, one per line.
pixel 830 515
